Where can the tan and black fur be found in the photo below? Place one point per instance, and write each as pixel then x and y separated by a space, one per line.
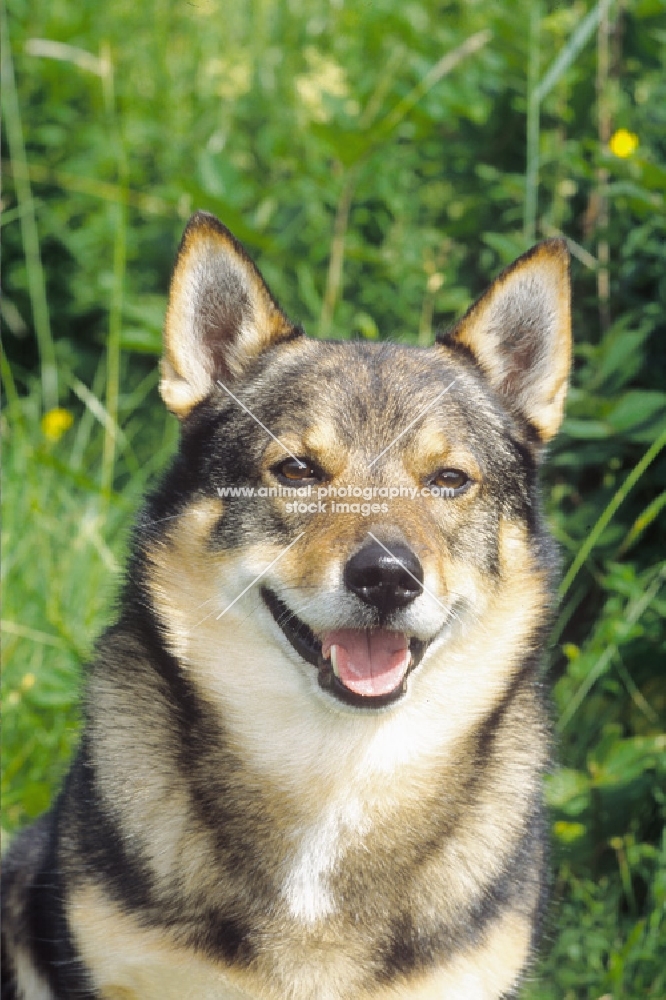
pixel 238 824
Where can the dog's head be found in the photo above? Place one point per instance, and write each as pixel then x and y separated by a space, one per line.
pixel 394 516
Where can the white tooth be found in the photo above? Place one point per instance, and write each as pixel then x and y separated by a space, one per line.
pixel 334 660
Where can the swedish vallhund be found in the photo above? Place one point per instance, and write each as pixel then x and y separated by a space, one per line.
pixel 314 740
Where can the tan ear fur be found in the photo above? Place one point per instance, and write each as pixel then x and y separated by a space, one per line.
pixel 519 333
pixel 220 316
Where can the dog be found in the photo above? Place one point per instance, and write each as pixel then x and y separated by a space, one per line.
pixel 314 740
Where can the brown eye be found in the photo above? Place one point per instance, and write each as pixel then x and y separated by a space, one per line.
pixel 300 470
pixel 452 482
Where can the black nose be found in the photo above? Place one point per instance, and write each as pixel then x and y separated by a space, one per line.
pixel 387 580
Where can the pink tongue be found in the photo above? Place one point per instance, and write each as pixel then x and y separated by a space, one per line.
pixel 368 662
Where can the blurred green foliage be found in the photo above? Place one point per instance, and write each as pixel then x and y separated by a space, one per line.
pixel 381 161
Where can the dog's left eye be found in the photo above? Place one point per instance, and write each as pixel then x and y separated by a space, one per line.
pixel 450 479
pixel 290 471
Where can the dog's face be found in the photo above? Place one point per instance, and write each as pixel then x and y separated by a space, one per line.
pixel 412 546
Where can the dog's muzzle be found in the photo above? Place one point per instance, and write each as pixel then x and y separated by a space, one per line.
pixel 363 667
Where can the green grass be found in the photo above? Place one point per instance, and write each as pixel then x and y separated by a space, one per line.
pixel 63 540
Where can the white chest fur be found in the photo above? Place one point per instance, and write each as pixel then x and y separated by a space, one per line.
pixel 306 888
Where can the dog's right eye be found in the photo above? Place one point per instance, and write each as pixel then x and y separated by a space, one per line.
pixel 290 471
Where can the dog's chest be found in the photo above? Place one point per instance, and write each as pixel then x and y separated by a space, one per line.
pixel 152 969
pixel 318 849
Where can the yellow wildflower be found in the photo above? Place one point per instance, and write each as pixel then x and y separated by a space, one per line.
pixel 623 143
pixel 56 422
pixel 27 682
pixel 568 832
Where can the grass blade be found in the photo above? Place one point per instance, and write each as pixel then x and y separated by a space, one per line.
pixel 609 511
pixel 28 222
pixel 578 40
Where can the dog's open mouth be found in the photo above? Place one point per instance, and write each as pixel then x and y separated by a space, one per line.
pixel 363 667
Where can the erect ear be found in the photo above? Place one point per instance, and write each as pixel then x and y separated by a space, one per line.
pixel 519 333
pixel 220 316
